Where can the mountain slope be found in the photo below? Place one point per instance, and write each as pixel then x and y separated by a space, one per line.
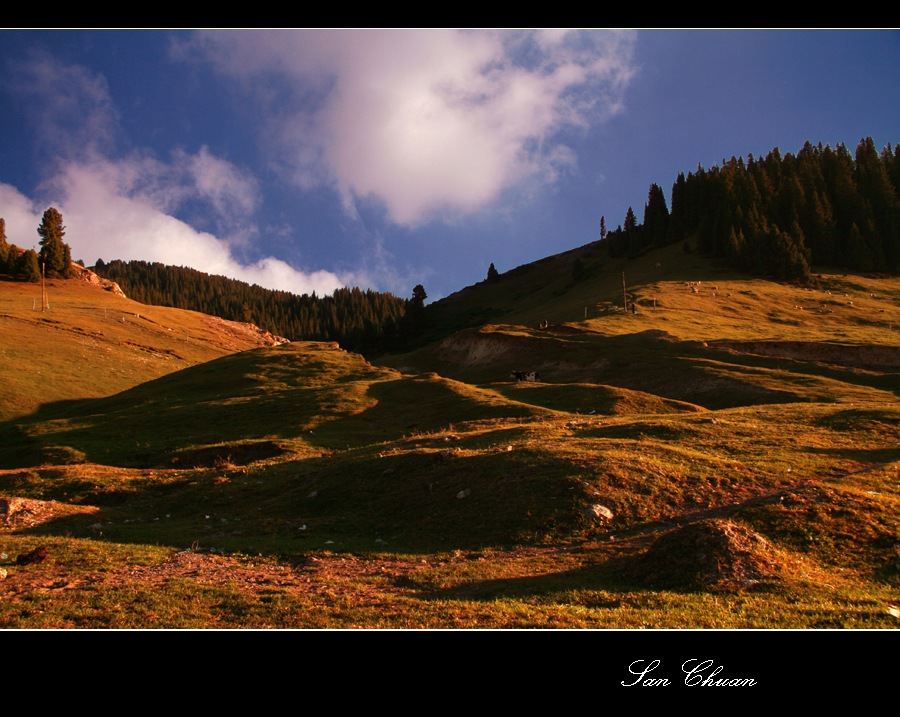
pixel 92 343
pixel 301 485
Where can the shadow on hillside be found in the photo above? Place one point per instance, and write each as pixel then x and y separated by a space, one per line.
pixel 872 457
pixel 654 363
pixel 325 400
pixel 237 399
pixel 606 579
pixel 225 411
pixel 429 497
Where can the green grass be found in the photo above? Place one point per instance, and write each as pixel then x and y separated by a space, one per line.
pixel 302 486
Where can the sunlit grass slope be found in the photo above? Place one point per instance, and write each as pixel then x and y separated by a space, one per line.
pixel 304 486
pixel 687 295
pixel 92 343
pixel 701 334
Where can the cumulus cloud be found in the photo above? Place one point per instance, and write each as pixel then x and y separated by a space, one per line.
pixel 426 121
pixel 106 219
pixel 136 206
pixel 21 217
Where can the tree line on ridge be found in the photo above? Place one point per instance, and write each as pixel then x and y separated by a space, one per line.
pixel 776 216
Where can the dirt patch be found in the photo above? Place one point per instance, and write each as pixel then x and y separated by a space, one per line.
pixel 710 554
pixel 91 278
pixel 18 513
pixel 330 576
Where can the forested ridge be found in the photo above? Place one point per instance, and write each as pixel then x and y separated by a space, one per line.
pixel 359 320
pixel 777 217
pixel 780 215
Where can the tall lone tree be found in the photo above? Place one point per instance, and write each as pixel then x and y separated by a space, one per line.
pixel 418 297
pixel 55 253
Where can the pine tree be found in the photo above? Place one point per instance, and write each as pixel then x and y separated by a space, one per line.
pixel 55 254
pixel 656 216
pixel 27 266
pixel 632 232
pixel 418 297
pixel 493 274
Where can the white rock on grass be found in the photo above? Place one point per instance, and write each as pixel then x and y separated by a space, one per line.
pixel 599 511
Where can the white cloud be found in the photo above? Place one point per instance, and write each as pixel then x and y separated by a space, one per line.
pixel 106 219
pixel 126 207
pixel 231 193
pixel 427 121
pixel 21 217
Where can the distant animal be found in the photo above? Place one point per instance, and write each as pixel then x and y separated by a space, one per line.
pixel 532 376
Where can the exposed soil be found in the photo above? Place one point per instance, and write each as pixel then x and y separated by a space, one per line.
pixel 244 331
pixel 19 513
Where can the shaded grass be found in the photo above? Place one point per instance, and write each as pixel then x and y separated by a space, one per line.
pixel 318 490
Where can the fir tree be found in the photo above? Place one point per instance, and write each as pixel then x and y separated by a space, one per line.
pixel 55 254
pixel 27 266
pixel 656 216
pixel 418 297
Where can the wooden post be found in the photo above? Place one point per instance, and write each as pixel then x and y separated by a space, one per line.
pixel 43 291
pixel 624 294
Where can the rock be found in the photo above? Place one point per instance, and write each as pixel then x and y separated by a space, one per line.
pixel 464 493
pixel 91 278
pixel 599 511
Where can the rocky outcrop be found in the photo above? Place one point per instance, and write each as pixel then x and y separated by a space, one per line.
pixel 242 330
pixel 91 278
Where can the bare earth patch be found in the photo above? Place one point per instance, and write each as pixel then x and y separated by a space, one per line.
pixel 18 513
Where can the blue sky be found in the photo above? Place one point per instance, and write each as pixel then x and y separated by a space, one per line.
pixel 307 160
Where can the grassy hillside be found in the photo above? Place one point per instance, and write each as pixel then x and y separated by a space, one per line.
pixel 711 461
pixel 701 334
pixel 725 305
pixel 93 343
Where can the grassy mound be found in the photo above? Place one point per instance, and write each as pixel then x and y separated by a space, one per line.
pixel 710 554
